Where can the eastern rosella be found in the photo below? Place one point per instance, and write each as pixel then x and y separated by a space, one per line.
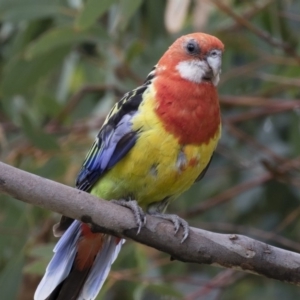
pixel 154 144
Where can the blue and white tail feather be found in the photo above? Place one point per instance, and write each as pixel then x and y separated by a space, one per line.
pixel 62 262
pixel 101 268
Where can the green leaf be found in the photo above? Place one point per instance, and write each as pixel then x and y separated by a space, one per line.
pixel 135 49
pixel 92 11
pixel 63 36
pixel 16 10
pixel 37 137
pixel 165 290
pixel 42 251
pixel 53 168
pixel 141 257
pixel 127 10
pixel 10 277
pixel 43 254
pixel 139 292
pixel 47 105
pixel 21 74
pixel 36 267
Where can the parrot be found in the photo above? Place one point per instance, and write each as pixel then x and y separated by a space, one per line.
pixel 156 142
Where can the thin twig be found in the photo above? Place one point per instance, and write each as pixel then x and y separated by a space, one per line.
pixel 265 36
pixel 249 14
pixel 259 101
pixel 227 195
pixel 221 280
pixel 76 98
pixel 243 136
pixel 241 188
pixel 257 113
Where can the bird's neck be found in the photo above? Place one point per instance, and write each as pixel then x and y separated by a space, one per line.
pixel 188 110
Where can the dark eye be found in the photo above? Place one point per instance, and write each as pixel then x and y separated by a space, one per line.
pixel 214 53
pixel 192 47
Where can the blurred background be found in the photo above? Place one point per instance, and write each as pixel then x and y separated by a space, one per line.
pixel 64 63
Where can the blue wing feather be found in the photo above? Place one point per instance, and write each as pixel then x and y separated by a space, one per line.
pixel 111 145
pixel 114 140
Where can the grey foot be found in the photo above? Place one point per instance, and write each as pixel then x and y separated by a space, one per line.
pixel 139 215
pixel 177 221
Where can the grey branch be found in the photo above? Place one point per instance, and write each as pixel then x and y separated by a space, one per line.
pixel 203 247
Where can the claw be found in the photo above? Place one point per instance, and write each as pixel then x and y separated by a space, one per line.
pixel 139 215
pixel 177 222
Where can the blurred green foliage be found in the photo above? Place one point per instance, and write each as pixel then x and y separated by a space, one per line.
pixel 63 63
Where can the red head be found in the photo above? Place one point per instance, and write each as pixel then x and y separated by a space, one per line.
pixel 195 57
pixel 185 79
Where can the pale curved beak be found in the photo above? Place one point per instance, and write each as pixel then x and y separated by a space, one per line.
pixel 215 64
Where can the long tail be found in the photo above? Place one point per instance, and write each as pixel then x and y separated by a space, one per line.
pixel 80 265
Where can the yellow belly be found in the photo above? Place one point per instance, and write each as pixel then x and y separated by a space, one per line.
pixel 157 166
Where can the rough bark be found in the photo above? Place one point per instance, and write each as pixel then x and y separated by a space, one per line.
pixel 203 247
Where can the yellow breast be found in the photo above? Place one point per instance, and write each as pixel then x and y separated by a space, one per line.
pixel 157 166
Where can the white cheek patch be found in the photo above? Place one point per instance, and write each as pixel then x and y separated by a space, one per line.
pixel 192 70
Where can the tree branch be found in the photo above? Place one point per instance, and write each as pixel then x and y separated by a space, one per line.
pixel 203 247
